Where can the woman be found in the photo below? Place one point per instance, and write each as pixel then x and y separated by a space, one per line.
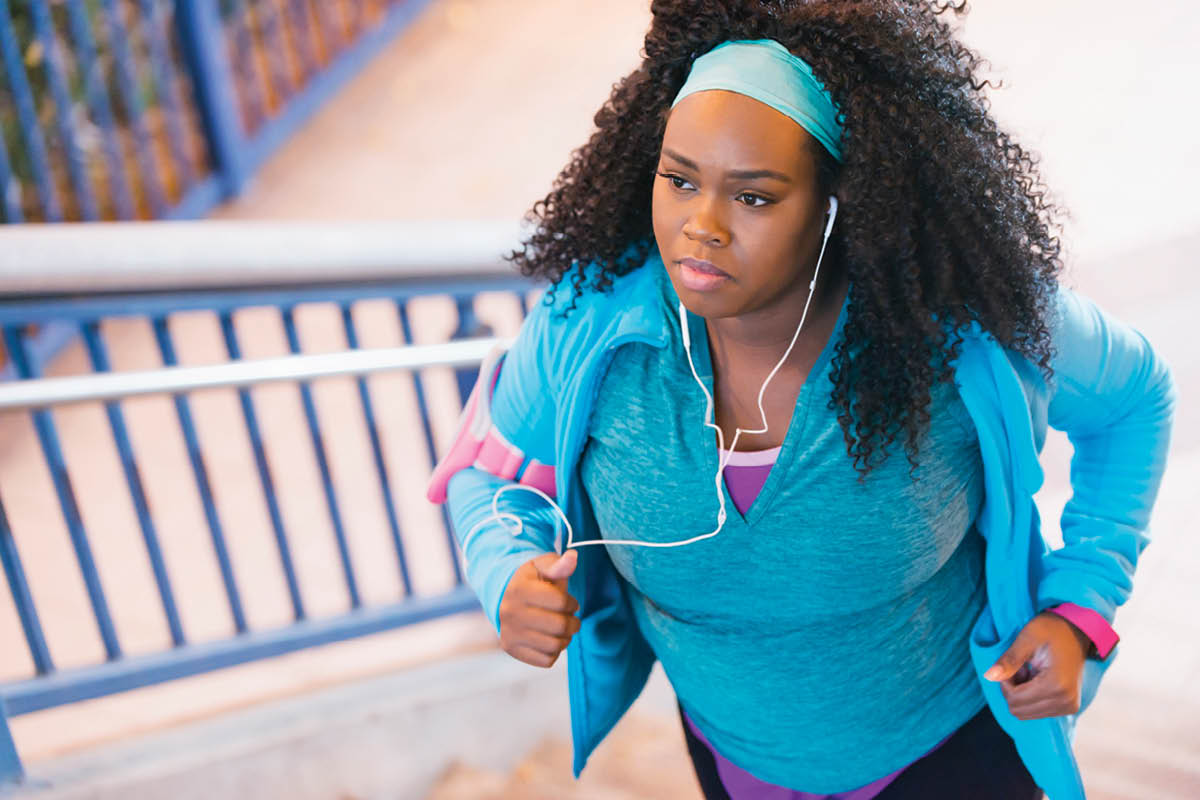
pixel 801 345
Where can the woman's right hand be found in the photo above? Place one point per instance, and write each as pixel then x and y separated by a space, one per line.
pixel 537 616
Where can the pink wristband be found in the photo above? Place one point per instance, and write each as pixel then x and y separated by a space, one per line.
pixel 1094 626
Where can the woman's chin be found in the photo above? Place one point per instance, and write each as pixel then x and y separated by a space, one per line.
pixel 709 305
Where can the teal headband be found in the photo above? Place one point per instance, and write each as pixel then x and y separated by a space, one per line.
pixel 768 72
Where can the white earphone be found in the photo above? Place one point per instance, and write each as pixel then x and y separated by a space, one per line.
pixel 722 461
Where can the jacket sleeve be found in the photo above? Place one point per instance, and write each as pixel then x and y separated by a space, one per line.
pixel 504 438
pixel 1114 398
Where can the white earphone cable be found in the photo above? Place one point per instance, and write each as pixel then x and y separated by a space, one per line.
pixel 709 411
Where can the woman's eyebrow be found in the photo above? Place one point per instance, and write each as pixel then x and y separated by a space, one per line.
pixel 740 174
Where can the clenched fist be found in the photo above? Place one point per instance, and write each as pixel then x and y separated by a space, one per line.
pixel 1041 673
pixel 537 616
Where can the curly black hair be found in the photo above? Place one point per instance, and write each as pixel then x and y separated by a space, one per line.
pixel 943 219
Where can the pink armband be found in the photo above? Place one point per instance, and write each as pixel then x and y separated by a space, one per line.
pixel 473 427
pixel 479 444
pixel 1094 626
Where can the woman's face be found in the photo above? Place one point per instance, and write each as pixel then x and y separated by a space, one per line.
pixel 737 211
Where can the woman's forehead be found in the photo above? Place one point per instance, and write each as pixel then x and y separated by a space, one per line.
pixel 728 130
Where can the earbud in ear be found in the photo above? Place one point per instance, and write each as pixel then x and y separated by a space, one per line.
pixel 833 207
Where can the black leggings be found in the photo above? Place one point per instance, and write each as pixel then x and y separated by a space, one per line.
pixel 978 762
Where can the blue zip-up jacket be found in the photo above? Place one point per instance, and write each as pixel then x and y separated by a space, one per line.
pixel 1111 394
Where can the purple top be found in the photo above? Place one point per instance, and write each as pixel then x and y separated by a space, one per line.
pixel 746 472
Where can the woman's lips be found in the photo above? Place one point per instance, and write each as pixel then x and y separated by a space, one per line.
pixel 701 276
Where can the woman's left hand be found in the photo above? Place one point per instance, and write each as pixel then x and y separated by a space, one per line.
pixel 1041 674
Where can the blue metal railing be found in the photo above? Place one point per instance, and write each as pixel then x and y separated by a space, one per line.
pixel 49 686
pixel 160 109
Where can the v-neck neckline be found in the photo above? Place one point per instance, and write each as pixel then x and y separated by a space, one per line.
pixel 703 362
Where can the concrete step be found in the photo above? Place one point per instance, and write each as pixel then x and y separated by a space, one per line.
pixel 387 738
pixel 644 757
pixel 478 726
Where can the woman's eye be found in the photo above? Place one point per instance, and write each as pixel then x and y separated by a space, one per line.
pixel 752 200
pixel 676 181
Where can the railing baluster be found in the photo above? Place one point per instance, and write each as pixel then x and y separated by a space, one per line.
pixel 14 341
pixel 116 420
pixel 469 325
pixel 451 542
pixel 364 397
pixel 22 599
pixel 85 199
pixel 302 36
pixel 250 80
pixel 264 473
pixel 202 38
pixel 97 94
pixel 10 187
pixel 161 70
pixel 11 771
pixel 31 132
pixel 126 74
pixel 266 14
pixel 314 430
pixel 183 410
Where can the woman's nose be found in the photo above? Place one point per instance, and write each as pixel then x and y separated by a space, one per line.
pixel 706 226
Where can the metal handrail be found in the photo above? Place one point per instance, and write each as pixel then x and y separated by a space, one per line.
pixel 46 392
pixel 166 256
